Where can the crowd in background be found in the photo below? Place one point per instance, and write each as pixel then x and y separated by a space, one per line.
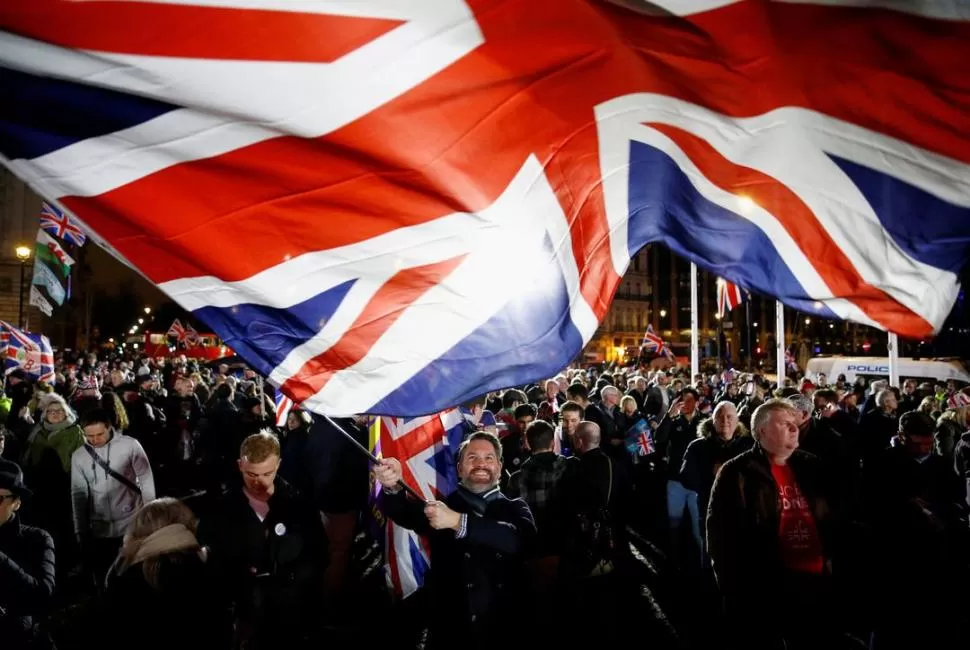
pixel 166 488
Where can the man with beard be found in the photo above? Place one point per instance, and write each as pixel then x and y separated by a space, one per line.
pixel 479 538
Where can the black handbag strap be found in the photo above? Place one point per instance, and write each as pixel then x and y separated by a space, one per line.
pixel 121 478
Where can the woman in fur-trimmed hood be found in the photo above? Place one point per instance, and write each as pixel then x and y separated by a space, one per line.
pixel 722 437
pixel 706 429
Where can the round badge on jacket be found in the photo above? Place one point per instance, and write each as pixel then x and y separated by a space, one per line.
pixel 280 530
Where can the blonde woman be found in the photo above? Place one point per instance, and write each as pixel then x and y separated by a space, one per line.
pixel 111 402
pixel 949 427
pixel 628 415
pixel 929 406
pixel 159 590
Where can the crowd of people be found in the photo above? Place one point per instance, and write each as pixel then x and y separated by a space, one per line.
pixel 802 515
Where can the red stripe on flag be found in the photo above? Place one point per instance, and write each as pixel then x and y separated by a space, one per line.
pixel 835 269
pixel 383 310
pixel 887 71
pixel 410 444
pixel 146 28
pixel 455 142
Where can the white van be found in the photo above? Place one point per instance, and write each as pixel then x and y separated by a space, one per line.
pixel 878 368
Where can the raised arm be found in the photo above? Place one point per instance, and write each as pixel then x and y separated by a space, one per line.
pixel 397 505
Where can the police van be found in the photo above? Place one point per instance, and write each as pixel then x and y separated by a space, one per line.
pixel 871 368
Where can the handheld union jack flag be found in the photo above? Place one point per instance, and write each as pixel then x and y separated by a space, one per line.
pixel 61 225
pixel 27 351
pixel 426 447
pixel 393 207
pixel 729 296
pixel 654 344
pixel 639 439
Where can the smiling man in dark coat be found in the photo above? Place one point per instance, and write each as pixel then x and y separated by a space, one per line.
pixel 479 538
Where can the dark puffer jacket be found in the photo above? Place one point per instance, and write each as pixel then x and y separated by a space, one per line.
pixel 477 583
pixel 26 584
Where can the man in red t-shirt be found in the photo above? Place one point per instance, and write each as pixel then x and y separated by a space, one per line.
pixel 768 526
pixel 801 548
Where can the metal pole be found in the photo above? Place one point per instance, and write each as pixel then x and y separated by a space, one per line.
pixel 893 359
pixel 20 313
pixel 720 354
pixel 695 362
pixel 780 342
pixel 747 324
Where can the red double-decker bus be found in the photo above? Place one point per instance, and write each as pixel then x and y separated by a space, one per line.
pixel 207 346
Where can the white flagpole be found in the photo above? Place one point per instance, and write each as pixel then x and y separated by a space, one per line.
pixel 695 362
pixel 893 359
pixel 780 342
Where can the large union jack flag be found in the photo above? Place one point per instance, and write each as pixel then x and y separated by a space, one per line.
pixel 426 447
pixel 390 206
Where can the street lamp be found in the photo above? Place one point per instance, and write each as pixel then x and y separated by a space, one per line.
pixel 148 310
pixel 23 254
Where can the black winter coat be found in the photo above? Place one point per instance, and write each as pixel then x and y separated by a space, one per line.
pixel 706 455
pixel 271 569
pixel 477 583
pixel 743 521
pixel 26 584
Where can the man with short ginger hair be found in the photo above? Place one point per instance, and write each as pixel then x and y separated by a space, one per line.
pixel 259 461
pixel 267 545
